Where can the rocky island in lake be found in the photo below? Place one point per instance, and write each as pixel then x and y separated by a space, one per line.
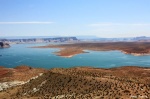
pixel 4 45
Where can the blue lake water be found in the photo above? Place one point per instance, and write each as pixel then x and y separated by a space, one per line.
pixel 20 54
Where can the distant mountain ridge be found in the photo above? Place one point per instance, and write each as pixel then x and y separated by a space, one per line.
pixel 125 39
pixel 37 40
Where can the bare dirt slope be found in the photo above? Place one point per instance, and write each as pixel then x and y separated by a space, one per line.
pixel 20 73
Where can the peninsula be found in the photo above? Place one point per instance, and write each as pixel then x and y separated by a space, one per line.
pixel 134 48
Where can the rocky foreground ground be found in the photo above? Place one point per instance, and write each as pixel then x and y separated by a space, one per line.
pixel 77 83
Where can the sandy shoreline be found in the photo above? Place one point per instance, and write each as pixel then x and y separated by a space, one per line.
pixel 134 54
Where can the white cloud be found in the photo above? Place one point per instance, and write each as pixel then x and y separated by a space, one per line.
pixel 117 24
pixel 26 22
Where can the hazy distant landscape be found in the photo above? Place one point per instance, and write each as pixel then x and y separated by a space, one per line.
pixel 41 39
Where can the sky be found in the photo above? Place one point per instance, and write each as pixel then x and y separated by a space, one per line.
pixel 101 18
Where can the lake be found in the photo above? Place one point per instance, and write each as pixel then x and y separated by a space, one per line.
pixel 20 54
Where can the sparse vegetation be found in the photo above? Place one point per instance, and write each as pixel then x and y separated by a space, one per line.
pixel 87 82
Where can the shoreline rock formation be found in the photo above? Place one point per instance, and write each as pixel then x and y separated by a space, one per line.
pixel 4 45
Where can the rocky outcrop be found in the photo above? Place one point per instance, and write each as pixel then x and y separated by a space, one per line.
pixel 20 75
pixel 6 85
pixel 4 45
